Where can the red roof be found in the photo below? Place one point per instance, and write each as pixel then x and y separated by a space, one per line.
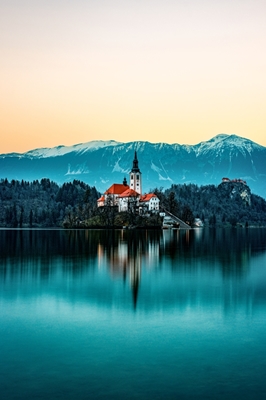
pixel 101 198
pixel 129 193
pixel 147 197
pixel 116 188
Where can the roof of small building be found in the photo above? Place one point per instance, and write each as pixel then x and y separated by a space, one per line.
pixel 101 198
pixel 129 193
pixel 116 188
pixel 147 197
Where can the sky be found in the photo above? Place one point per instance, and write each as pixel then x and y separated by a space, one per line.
pixel 174 71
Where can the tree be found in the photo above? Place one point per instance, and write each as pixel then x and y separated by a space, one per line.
pixel 233 221
pixel 132 209
pixel 212 219
pixel 21 216
pixel 161 196
pixel 187 215
pixel 14 220
pixel 172 204
pixel 31 218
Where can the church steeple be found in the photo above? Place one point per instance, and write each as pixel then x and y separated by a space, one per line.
pixel 135 167
pixel 135 176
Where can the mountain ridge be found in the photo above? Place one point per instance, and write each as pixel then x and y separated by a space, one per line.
pixel 100 163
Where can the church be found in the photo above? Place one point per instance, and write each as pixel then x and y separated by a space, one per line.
pixel 127 197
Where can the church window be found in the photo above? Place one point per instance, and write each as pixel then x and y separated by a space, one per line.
pixel 132 176
pixel 137 176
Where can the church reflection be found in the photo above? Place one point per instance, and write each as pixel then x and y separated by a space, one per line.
pixel 186 252
pixel 147 267
pixel 134 250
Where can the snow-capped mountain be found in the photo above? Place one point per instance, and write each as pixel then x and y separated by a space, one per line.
pixel 100 163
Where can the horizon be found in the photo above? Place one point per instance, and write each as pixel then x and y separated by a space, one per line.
pixel 134 141
pixel 123 71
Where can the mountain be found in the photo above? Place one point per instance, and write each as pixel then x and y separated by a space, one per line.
pixel 100 163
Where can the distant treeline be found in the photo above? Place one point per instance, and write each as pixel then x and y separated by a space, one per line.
pixel 229 203
pixel 44 203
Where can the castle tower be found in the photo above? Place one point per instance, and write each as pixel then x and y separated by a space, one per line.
pixel 135 176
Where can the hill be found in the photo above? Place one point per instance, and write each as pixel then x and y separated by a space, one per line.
pixel 229 203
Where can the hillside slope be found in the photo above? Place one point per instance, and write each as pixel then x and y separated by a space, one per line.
pixel 100 163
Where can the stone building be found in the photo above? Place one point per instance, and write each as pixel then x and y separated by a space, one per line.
pixel 125 197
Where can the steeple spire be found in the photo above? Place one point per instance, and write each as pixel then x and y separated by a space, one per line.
pixel 135 167
pixel 135 176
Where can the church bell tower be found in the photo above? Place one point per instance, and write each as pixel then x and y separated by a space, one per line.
pixel 135 176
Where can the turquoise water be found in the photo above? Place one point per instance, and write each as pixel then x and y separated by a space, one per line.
pixel 133 314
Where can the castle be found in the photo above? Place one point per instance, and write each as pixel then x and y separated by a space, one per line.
pixel 128 197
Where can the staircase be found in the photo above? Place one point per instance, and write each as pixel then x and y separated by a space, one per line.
pixel 181 223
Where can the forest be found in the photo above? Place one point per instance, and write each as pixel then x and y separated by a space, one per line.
pixel 44 203
pixel 228 204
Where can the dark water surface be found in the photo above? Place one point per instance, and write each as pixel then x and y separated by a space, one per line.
pixel 133 314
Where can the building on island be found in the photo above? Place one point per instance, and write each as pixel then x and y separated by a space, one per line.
pixel 110 196
pixel 225 180
pixel 149 202
pixel 126 197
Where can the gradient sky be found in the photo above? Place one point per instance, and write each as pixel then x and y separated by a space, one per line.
pixel 177 71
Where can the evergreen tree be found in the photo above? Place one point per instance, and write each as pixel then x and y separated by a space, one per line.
pixel 187 215
pixel 14 221
pixel 172 204
pixel 31 218
pixel 21 216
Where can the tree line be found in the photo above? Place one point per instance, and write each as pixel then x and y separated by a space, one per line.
pixel 229 203
pixel 74 204
pixel 44 203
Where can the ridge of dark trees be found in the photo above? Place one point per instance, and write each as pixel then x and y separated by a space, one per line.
pixel 44 203
pixel 229 203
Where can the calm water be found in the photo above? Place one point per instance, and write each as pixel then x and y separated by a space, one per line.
pixel 133 315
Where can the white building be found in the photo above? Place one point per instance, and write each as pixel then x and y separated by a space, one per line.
pixel 149 202
pixel 126 197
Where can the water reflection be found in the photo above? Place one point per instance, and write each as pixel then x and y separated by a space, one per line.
pixel 159 268
pixel 139 314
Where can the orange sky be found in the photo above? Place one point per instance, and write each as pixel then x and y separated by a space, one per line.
pixel 172 71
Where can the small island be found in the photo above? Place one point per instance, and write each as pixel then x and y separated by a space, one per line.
pixel 76 205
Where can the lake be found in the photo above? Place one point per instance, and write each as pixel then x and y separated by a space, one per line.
pixel 94 314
